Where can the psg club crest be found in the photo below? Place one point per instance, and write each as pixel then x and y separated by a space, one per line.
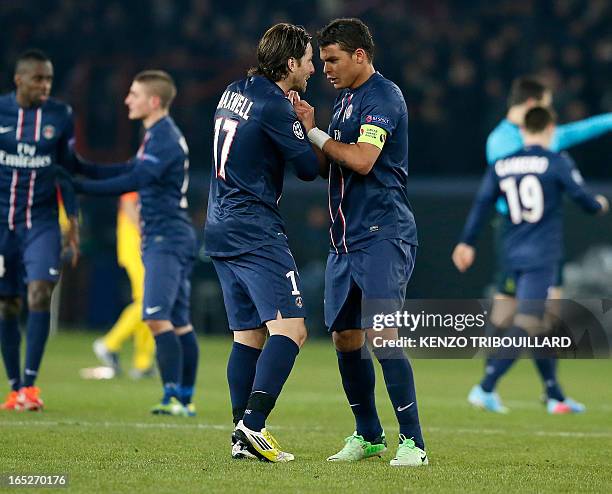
pixel 299 302
pixel 48 132
pixel 349 111
pixel 297 130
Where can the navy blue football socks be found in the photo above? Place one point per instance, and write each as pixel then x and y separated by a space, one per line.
pixel 170 363
pixel 191 353
pixel 499 363
pixel 547 367
pixel 36 339
pixel 272 371
pixel 241 367
pixel 400 386
pixel 358 381
pixel 10 340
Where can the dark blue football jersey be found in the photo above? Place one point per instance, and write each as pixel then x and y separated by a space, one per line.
pixel 256 135
pixel 164 207
pixel 372 207
pixel 532 182
pixel 160 174
pixel 33 143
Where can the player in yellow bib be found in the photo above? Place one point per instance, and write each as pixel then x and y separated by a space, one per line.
pixel 130 321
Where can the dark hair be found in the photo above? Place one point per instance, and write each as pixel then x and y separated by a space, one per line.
pixel 32 55
pixel 537 119
pixel 524 88
pixel 280 43
pixel 160 83
pixel 348 34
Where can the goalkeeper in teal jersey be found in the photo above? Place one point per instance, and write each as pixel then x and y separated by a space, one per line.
pixel 504 140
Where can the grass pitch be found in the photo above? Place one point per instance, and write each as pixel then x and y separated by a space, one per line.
pixel 101 435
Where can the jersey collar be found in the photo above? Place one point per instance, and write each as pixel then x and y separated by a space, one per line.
pixel 375 76
pixel 163 119
pixel 16 103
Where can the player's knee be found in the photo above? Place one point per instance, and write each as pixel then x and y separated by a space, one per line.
pixel 349 340
pixel 300 335
pixel 39 295
pixel 10 307
pixel 295 331
pixel 158 327
pixel 382 343
pixel 386 334
pixel 181 330
pixel 502 312
pixel 532 324
pixel 293 328
pixel 555 292
pixel 255 338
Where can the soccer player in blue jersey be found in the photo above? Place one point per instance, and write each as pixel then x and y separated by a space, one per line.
pixel 257 135
pixel 36 134
pixel 505 139
pixel 160 174
pixel 532 181
pixel 373 234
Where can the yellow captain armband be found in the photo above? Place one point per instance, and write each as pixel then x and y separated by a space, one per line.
pixel 372 135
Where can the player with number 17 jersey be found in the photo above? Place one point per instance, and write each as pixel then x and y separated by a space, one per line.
pixel 256 134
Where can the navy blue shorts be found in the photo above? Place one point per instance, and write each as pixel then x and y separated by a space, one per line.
pixel 532 289
pixel 29 254
pixel 506 280
pixel 167 286
pixel 376 276
pixel 258 285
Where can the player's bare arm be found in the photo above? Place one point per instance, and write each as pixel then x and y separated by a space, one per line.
pixel 359 157
pixel 73 239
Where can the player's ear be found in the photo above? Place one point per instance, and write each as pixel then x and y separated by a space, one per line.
pixel 17 79
pixel 291 62
pixel 360 55
pixel 155 101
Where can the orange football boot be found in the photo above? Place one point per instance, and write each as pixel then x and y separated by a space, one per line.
pixel 11 401
pixel 29 399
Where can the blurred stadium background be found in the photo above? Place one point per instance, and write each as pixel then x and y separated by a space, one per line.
pixel 453 60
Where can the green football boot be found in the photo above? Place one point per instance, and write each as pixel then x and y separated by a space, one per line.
pixel 357 448
pixel 173 407
pixel 409 455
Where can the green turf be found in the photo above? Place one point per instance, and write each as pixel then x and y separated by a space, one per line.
pixel 100 434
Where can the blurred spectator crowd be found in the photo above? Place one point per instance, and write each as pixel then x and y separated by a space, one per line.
pixel 453 60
